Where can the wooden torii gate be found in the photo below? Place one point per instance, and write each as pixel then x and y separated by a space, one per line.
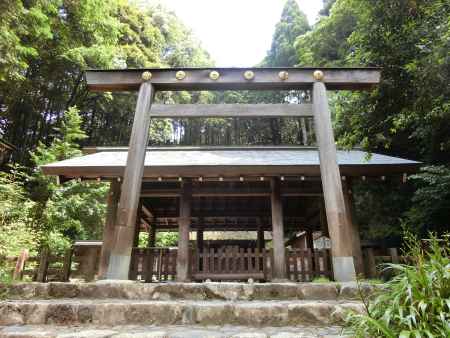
pixel 148 81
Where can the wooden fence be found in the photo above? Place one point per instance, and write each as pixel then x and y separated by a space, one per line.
pixel 303 265
pixel 159 264
pixel 42 268
pixel 153 264
pixel 373 264
pixel 231 263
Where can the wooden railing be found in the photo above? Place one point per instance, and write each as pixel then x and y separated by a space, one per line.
pixel 42 268
pixel 153 264
pixel 232 263
pixel 159 264
pixel 305 265
pixel 22 266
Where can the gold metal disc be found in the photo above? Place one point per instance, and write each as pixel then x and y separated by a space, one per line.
pixel 249 75
pixel 180 75
pixel 283 75
pixel 214 75
pixel 146 76
pixel 318 75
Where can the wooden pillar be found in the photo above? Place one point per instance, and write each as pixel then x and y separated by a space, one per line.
pixel 356 238
pixel 309 240
pixel 371 267
pixel 108 229
pixel 119 263
pixel 279 251
pixel 138 225
pixel 184 222
pixel 260 243
pixel 200 240
pixel 340 234
pixel 152 236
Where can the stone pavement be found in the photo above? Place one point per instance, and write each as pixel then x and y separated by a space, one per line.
pixel 247 310
pixel 170 332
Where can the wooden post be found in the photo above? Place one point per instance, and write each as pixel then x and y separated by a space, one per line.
pixel 67 264
pixel 197 261
pixel 309 240
pixel 279 251
pixel 371 265
pixel 340 234
pixel 91 266
pixel 108 230
pixel 20 264
pixel 43 266
pixel 200 240
pixel 393 252
pixel 138 225
pixel 260 243
pixel 119 262
pixel 184 222
pixel 152 236
pixel 356 238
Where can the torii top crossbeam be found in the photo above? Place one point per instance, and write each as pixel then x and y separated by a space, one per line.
pixel 233 78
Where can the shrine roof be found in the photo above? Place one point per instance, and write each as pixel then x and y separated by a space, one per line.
pixel 216 161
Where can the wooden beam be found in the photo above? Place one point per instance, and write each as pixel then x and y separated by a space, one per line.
pixel 232 78
pixel 108 229
pixel 279 251
pixel 337 219
pixel 146 212
pixel 235 191
pixel 231 110
pixel 184 222
pixel 119 263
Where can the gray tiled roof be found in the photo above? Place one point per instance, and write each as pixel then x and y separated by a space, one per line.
pixel 233 157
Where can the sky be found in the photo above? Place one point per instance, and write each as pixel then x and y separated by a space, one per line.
pixel 236 33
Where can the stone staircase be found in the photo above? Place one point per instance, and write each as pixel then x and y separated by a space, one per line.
pixel 131 309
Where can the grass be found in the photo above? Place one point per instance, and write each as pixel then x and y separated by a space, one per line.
pixel 321 280
pixel 415 302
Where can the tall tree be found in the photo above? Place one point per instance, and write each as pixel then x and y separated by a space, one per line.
pixel 408 114
pixel 292 24
pixel 48 44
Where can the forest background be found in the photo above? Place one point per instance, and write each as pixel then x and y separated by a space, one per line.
pixel 47 113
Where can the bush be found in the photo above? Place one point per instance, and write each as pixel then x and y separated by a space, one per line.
pixel 416 302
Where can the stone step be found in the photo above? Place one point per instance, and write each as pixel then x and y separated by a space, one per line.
pixel 188 291
pixel 174 312
pixel 181 331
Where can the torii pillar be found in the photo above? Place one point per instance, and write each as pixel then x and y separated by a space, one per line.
pixel 337 218
pixel 119 262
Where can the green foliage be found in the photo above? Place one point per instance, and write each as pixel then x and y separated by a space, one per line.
pixel 388 201
pixel 167 239
pixel 327 43
pixel 46 45
pixel 321 280
pixel 431 201
pixel 416 302
pixel 16 215
pixel 292 24
pixel 408 114
pixel 164 239
pixel 73 210
pixel 16 219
